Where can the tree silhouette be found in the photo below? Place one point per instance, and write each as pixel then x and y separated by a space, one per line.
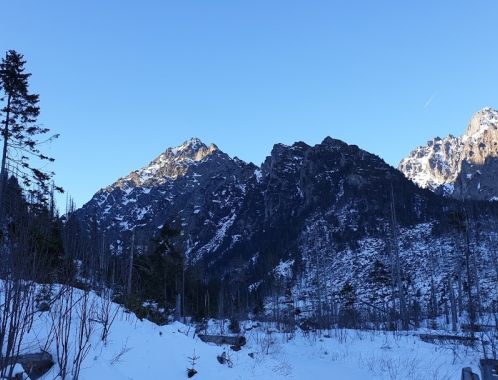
pixel 22 136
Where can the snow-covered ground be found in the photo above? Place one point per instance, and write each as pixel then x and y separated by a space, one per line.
pixel 138 349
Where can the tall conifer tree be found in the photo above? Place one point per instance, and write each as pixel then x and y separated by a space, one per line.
pixel 21 134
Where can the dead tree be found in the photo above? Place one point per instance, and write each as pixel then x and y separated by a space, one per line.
pixel 397 266
pixel 453 306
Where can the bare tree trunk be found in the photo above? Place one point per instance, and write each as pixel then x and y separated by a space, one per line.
pixel 3 170
pixel 397 267
pixel 183 288
pixel 460 293
pixel 130 265
pixel 85 312
pixel 472 312
pixel 495 263
pixel 178 307
pixel 453 306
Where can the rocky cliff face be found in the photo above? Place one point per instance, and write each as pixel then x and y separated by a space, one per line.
pixel 313 217
pixel 461 167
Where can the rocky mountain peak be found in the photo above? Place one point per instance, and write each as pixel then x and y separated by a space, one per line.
pixel 192 149
pixel 463 166
pixel 169 165
pixel 329 141
pixel 483 121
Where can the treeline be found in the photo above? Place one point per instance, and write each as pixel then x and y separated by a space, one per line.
pixel 155 278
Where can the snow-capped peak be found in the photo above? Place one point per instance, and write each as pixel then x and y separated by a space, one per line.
pixel 170 164
pixel 191 145
pixel 448 165
pixel 481 121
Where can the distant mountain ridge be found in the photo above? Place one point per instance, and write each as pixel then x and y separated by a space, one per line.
pixel 461 167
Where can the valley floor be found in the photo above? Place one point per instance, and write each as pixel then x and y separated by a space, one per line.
pixel 140 350
pixel 344 354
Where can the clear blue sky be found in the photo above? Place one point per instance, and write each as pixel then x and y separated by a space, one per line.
pixel 123 80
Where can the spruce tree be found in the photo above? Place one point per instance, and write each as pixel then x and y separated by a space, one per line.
pixel 161 270
pixel 348 315
pixel 21 134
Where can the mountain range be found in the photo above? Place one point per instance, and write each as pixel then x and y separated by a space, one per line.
pixel 317 217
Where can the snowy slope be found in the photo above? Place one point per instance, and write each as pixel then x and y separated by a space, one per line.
pixel 138 349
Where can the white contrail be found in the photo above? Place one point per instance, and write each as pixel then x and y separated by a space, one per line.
pixel 429 101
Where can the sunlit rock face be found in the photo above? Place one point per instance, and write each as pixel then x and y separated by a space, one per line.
pixel 461 167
